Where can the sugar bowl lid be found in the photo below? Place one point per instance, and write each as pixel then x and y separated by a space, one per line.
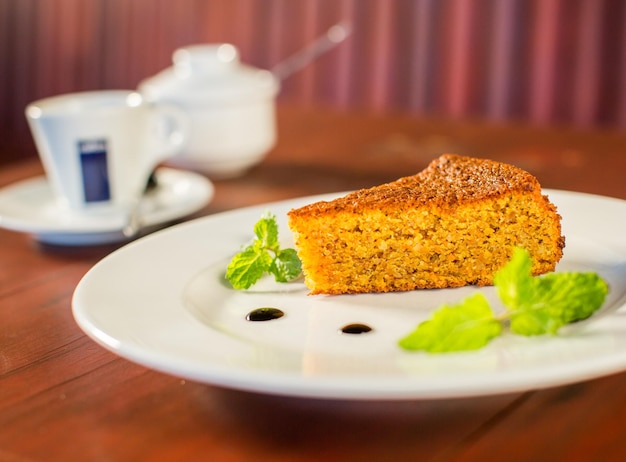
pixel 209 73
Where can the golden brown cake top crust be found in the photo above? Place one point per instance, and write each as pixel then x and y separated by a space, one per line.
pixel 447 181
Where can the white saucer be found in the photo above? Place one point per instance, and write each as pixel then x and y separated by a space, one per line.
pixel 28 206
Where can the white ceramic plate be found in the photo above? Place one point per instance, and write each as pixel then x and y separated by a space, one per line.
pixel 160 302
pixel 28 206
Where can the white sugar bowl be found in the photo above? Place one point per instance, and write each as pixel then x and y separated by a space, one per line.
pixel 231 106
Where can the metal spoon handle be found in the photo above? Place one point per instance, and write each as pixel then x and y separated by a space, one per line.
pixel 133 221
pixel 333 36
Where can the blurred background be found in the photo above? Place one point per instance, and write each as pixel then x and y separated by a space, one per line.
pixel 551 62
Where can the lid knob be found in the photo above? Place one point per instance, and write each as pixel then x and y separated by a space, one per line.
pixel 205 58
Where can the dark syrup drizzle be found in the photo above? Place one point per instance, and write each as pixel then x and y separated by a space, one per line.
pixel 356 329
pixel 264 314
pixel 267 313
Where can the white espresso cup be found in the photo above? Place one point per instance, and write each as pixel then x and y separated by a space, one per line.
pixel 99 148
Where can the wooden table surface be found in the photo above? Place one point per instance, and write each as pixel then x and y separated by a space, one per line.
pixel 63 398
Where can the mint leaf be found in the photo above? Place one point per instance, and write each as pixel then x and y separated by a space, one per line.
pixel 286 266
pixel 266 231
pixel 576 295
pixel 558 299
pixel 247 267
pixel 469 325
pixel 542 305
pixel 534 322
pixel 514 282
pixel 264 255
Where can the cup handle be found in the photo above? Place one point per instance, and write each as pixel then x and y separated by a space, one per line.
pixel 172 131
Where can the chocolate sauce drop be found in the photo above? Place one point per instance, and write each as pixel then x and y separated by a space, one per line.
pixel 356 329
pixel 264 314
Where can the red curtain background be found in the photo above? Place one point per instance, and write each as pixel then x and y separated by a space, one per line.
pixel 538 61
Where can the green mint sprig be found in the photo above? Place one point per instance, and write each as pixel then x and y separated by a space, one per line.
pixel 469 325
pixel 262 256
pixel 534 306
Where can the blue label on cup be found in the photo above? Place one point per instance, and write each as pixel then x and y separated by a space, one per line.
pixel 93 161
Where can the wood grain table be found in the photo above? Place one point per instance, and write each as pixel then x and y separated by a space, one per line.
pixel 63 398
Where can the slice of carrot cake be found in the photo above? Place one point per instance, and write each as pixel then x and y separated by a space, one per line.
pixel 453 224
